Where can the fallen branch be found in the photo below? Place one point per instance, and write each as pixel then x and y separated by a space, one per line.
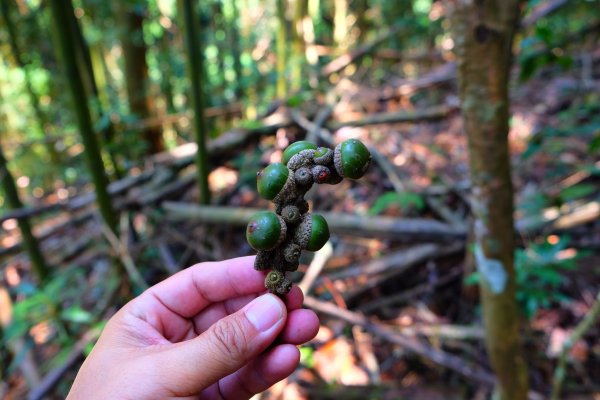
pixel 440 357
pixel 391 270
pixel 406 87
pixel 409 230
pixel 386 301
pixel 343 61
pixel 428 114
pixel 586 323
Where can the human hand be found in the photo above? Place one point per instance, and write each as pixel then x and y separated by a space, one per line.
pixel 205 332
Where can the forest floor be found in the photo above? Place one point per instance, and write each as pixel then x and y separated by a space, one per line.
pixel 415 329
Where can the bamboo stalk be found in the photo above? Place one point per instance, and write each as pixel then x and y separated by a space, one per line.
pixel 409 230
pixel 60 10
pixel 195 69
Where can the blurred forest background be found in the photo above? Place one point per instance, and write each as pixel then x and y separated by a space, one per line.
pixel 131 133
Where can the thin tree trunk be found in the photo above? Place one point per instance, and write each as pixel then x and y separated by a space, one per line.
pixel 136 72
pixel 235 44
pixel 86 66
pixel 30 243
pixel 66 49
pixel 40 117
pixel 483 35
pixel 192 40
pixel 281 50
pixel 298 45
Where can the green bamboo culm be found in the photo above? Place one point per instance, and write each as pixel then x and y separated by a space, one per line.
pixel 30 243
pixel 66 53
pixel 192 41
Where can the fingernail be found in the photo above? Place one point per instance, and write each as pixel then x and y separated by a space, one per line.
pixel 264 312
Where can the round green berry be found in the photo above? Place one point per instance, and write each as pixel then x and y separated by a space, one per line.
pixel 271 180
pixel 319 234
pixel 351 159
pixel 265 230
pixel 296 148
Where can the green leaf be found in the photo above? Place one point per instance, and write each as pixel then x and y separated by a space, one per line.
pixel 76 314
pixel 472 279
pixel 577 191
pixel 405 200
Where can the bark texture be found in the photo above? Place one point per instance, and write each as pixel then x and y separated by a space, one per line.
pixel 136 72
pixel 483 36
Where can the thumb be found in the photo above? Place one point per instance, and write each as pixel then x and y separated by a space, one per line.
pixel 226 346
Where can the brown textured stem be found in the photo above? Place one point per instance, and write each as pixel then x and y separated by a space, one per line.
pixel 483 34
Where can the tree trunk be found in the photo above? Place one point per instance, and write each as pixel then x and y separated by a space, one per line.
pixel 136 72
pixel 192 41
pixel 30 243
pixel 66 49
pixel 483 36
pixel 235 45
pixel 298 45
pixel 281 50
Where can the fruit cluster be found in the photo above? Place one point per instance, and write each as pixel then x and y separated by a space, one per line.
pixel 280 236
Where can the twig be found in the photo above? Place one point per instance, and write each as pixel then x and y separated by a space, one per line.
pixel 393 272
pixel 343 61
pixel 320 119
pixel 438 76
pixel 561 369
pixel 315 267
pixel 413 345
pixel 381 302
pixel 123 254
pixel 51 379
pixel 399 261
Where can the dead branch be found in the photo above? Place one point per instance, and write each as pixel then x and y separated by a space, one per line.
pixel 428 114
pixel 399 261
pixel 413 345
pixel 386 301
pixel 343 61
pixel 315 267
pixel 409 230
pixel 391 271
pixel 209 112
pixel 406 87
pixel 542 10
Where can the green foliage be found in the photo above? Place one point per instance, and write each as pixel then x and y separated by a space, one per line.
pixel 540 273
pixel 406 200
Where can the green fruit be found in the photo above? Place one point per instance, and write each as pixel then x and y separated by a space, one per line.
pixel 351 159
pixel 265 230
pixel 271 180
pixel 319 234
pixel 296 148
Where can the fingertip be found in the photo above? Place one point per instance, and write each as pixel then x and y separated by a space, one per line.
pixel 279 362
pixel 294 299
pixel 302 325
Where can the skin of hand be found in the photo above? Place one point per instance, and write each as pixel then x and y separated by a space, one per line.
pixel 206 332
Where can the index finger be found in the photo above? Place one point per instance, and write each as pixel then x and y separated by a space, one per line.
pixel 190 291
